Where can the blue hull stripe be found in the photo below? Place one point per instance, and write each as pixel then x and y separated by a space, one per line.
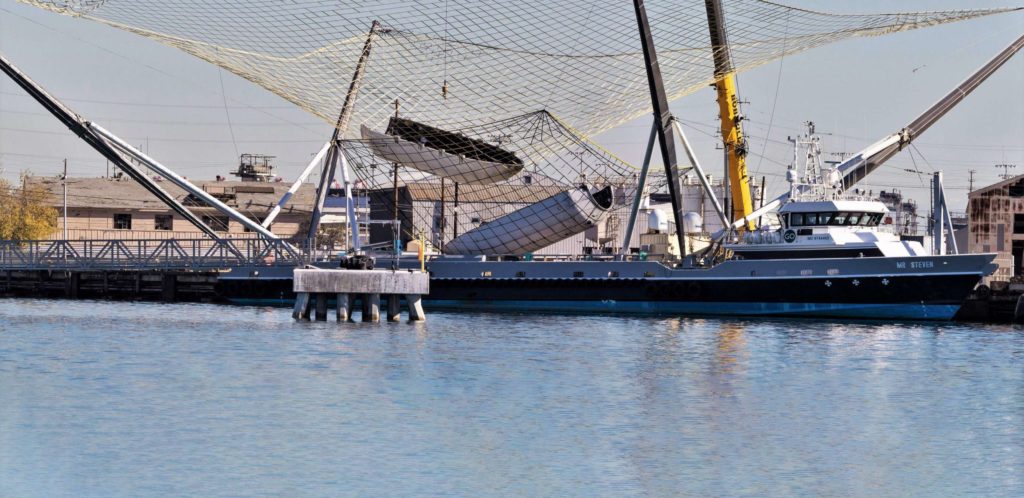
pixel 865 310
pixel 844 310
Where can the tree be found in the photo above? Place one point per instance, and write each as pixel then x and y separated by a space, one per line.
pixel 26 212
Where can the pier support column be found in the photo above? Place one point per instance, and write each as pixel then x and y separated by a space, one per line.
pixel 301 310
pixel 1018 311
pixel 167 291
pixel 371 308
pixel 394 310
pixel 344 307
pixel 415 308
pixel 321 307
pixel 73 283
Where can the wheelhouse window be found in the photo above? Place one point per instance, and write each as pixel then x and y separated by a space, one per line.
pixel 122 221
pixel 834 219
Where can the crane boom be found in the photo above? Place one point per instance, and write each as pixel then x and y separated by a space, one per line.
pixel 729 114
pixel 864 162
pixel 859 166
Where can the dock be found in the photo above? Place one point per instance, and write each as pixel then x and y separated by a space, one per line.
pixel 155 270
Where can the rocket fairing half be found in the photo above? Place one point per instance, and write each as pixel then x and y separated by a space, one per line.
pixel 443 154
pixel 538 225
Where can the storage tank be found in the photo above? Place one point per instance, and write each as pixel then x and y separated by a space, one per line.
pixel 536 226
pixel 657 221
pixel 693 222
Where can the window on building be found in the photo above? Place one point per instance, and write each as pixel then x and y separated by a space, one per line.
pixel 122 221
pixel 163 222
pixel 1018 223
pixel 1016 189
pixel 218 223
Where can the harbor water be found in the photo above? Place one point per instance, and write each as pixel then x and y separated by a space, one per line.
pixel 126 399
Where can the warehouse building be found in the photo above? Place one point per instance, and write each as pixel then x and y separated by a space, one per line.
pixel 995 222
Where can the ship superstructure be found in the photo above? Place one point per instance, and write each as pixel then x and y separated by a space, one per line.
pixel 822 220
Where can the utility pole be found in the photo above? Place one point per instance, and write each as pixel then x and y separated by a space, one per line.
pixel 396 227
pixel 64 182
pixel 1006 169
pixel 970 180
pixel 938 206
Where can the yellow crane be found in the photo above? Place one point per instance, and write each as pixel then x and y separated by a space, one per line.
pixel 729 115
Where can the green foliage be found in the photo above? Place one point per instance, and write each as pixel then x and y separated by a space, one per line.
pixel 26 212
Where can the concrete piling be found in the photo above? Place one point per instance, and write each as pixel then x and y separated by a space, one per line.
pixel 415 303
pixel 321 307
pixel 394 308
pixel 344 307
pixel 301 310
pixel 371 308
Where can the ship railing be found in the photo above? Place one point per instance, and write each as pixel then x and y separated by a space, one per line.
pixel 183 254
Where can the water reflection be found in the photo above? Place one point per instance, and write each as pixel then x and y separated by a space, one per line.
pixel 730 348
pixel 244 401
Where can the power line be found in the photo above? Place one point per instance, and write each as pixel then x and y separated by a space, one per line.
pixel 162 122
pixel 155 104
pixel 1006 170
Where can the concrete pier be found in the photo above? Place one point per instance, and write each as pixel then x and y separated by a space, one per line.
pixel 313 286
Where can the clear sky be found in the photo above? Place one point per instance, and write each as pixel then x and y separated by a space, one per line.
pixel 857 91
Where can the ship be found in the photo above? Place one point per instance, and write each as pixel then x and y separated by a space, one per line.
pixel 825 255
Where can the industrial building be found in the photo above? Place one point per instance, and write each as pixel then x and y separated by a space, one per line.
pixel 995 220
pixel 118 208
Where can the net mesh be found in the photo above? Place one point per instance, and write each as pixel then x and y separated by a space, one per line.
pixel 499 58
pixel 494 98
pixel 513 173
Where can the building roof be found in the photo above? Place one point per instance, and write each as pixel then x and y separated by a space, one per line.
pixel 996 186
pixel 108 193
pixel 259 197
